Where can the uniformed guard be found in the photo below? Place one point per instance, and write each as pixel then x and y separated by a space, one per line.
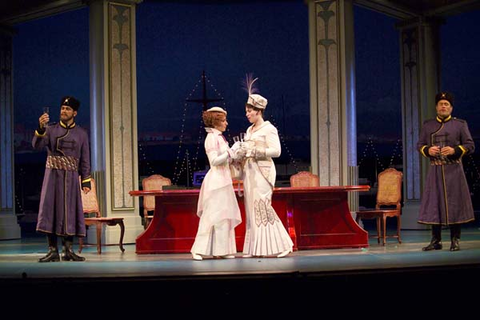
pixel 446 200
pixel 68 157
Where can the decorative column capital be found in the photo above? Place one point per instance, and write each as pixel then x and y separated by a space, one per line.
pixel 89 2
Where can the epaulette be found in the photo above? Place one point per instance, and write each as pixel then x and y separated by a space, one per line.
pixel 461 120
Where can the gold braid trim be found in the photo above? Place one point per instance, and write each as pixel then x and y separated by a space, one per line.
pixel 422 150
pixel 463 150
pixel 40 135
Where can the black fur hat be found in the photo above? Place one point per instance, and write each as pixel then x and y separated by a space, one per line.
pixel 71 102
pixel 444 96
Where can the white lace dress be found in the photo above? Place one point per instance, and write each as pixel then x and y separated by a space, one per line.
pixel 265 233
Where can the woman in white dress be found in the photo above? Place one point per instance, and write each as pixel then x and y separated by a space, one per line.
pixel 265 233
pixel 217 204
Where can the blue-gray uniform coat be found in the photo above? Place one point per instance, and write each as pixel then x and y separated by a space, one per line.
pixel 446 198
pixel 61 210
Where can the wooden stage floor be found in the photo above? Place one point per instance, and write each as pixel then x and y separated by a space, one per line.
pixel 331 272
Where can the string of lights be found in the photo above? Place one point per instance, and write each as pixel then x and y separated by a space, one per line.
pixel 19 204
pixel 193 165
pixel 371 146
pixel 475 171
pixel 228 133
pixel 199 141
pixel 144 158
pixel 17 200
pixel 176 170
pixel 185 163
pixel 399 146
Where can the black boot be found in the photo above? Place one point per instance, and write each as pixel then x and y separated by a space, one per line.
pixel 69 254
pixel 436 242
pixel 455 237
pixel 52 254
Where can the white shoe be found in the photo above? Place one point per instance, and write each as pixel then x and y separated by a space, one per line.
pixel 247 256
pixel 228 256
pixel 197 257
pixel 283 254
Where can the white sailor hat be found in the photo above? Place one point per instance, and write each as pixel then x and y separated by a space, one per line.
pixel 217 109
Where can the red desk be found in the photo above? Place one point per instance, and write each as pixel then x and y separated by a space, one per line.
pixel 316 218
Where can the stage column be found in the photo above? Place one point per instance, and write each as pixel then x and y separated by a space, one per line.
pixel 9 228
pixel 420 70
pixel 113 111
pixel 332 93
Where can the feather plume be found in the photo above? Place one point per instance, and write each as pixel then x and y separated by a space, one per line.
pixel 248 84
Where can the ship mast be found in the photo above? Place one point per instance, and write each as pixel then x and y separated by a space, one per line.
pixel 204 100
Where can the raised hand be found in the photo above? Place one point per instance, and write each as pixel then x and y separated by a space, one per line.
pixel 43 120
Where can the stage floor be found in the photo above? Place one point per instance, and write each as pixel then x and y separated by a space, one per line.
pixel 18 259
pixel 365 270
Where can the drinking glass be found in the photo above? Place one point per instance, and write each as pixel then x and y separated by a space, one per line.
pixel 441 145
pixel 242 136
pixel 47 111
pixel 236 139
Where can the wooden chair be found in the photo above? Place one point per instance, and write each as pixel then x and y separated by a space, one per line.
pixel 153 182
pixel 389 194
pixel 304 179
pixel 90 206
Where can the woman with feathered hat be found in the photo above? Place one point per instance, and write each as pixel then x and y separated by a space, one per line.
pixel 265 233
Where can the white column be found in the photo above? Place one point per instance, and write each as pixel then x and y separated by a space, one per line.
pixel 419 45
pixel 114 113
pixel 9 228
pixel 332 92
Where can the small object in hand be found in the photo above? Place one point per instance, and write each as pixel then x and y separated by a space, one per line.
pixel 46 110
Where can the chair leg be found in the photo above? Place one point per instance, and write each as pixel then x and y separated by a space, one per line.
pixel 145 219
pixel 398 229
pixel 99 238
pixel 379 229
pixel 122 232
pixel 384 236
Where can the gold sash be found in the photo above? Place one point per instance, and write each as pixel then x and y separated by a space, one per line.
pixel 67 163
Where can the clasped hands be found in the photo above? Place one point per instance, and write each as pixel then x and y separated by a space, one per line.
pixel 439 151
pixel 241 150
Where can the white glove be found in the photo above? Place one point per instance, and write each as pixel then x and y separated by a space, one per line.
pixel 248 149
pixel 237 145
pixel 240 153
pixel 237 151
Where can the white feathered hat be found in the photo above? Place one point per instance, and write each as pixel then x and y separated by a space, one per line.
pixel 254 99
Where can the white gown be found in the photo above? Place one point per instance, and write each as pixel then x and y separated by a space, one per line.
pixel 265 233
pixel 217 204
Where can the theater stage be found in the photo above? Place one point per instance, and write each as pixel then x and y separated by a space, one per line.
pixel 345 273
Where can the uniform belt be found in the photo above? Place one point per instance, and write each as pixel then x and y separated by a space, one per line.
pixel 443 161
pixel 67 163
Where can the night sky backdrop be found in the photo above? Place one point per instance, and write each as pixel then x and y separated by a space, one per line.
pixel 176 42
